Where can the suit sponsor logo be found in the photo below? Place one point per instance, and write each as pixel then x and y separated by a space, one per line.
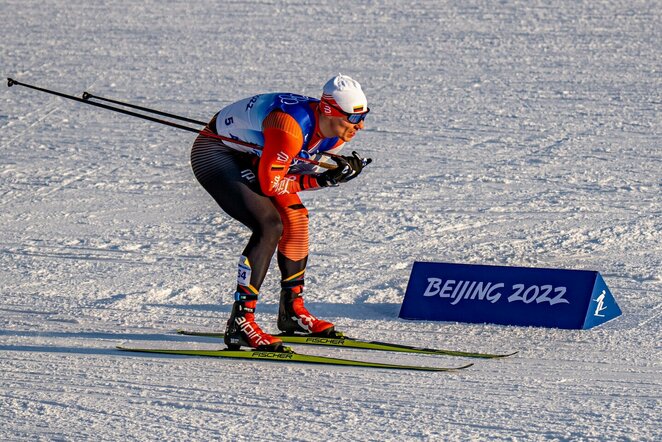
pixel 282 157
pixel 248 175
pixel 281 186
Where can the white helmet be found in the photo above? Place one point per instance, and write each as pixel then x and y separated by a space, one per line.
pixel 345 94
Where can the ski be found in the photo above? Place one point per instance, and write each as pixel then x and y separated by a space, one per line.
pixel 346 342
pixel 286 357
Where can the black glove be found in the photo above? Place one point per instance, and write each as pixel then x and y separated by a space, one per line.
pixel 348 169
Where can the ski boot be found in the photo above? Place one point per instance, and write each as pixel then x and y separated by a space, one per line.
pixel 243 331
pixel 293 317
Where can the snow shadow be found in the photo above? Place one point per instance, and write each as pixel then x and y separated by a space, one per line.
pixel 59 349
pixel 89 335
pixel 365 311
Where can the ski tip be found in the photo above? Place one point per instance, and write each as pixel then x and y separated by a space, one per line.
pixel 183 331
pixel 440 369
pixel 505 355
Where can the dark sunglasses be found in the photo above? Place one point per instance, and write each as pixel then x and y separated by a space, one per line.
pixel 356 118
pixel 352 118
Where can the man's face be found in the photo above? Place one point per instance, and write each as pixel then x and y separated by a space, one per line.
pixel 343 129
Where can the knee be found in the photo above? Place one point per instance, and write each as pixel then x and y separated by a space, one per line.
pixel 270 228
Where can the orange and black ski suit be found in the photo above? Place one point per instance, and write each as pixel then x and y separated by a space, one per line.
pixel 261 193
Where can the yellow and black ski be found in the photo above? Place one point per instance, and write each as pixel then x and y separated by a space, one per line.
pixel 287 357
pixel 346 342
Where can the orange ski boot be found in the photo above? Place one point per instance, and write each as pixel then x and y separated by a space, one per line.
pixel 293 317
pixel 243 331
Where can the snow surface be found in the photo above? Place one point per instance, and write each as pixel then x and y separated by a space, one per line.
pixel 510 133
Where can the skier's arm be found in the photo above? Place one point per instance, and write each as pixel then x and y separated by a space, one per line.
pixel 282 142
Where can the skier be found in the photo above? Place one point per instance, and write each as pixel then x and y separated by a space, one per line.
pixel 261 192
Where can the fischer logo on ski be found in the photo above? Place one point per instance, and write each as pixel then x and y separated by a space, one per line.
pixel 324 341
pixel 272 354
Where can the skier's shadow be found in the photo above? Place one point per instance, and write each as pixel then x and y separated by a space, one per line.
pixel 329 310
pixel 97 336
pixel 326 310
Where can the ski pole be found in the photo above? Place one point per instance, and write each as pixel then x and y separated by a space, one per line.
pixel 253 148
pixel 11 82
pixel 88 96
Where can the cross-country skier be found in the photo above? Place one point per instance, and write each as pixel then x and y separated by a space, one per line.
pixel 261 193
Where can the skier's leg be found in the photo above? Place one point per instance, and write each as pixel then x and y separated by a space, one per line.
pixel 229 178
pixel 293 244
pixel 292 259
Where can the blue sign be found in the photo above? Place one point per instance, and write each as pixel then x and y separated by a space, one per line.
pixel 572 299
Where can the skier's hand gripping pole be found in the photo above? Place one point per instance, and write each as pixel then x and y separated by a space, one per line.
pixel 349 167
